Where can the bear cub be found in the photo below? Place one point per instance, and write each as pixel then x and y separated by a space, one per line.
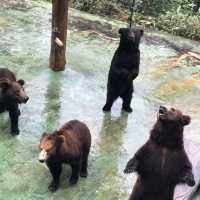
pixel 124 69
pixel 12 94
pixel 162 162
pixel 69 145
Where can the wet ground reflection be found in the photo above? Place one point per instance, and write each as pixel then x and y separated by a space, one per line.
pixel 79 93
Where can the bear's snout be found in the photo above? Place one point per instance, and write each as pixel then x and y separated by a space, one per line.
pixel 25 99
pixel 131 36
pixel 42 156
pixel 162 110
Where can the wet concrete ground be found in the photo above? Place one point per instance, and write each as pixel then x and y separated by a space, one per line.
pixel 79 93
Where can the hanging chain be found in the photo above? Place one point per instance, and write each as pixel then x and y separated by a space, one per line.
pixel 131 15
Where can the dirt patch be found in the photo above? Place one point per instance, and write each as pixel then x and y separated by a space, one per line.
pixel 3 22
pixel 181 62
pixel 15 3
pixel 80 24
pixel 175 88
pixel 196 76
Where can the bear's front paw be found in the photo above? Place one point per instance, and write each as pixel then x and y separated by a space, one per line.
pixel 73 181
pixel 53 186
pixel 131 166
pixel 106 108
pixel 189 179
pixel 127 109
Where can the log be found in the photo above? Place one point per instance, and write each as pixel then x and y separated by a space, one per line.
pixel 195 55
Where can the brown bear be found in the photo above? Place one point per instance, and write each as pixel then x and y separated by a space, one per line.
pixel 69 145
pixel 124 69
pixel 12 94
pixel 162 162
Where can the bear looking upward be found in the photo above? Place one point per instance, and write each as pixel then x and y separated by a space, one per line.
pixel 124 69
pixel 162 162
pixel 70 145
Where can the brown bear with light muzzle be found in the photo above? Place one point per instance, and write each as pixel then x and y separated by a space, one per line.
pixel 12 94
pixel 70 145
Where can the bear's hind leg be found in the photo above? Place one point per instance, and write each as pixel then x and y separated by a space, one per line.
pixel 55 169
pixel 127 98
pixel 14 116
pixel 75 173
pixel 111 97
pixel 84 164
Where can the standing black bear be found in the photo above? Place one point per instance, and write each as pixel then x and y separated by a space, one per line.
pixel 70 145
pixel 12 94
pixel 124 69
pixel 162 162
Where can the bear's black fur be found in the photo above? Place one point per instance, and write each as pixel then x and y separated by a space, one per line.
pixel 162 162
pixel 124 69
pixel 70 145
pixel 12 94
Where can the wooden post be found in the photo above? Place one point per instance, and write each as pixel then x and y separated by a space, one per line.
pixel 57 58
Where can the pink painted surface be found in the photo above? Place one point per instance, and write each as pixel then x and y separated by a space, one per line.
pixel 182 192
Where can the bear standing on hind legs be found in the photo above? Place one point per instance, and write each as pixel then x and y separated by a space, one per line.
pixel 124 69
pixel 162 162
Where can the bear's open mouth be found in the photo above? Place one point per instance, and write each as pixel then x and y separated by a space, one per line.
pixel 162 112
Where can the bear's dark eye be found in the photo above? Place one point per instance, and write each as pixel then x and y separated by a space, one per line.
pixel 173 110
pixel 48 150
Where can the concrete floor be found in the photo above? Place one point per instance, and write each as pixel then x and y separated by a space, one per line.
pixel 79 93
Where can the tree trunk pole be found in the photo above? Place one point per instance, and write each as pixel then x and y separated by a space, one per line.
pixel 57 58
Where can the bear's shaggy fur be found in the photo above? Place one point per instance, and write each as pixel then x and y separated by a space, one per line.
pixel 70 145
pixel 12 94
pixel 124 69
pixel 162 162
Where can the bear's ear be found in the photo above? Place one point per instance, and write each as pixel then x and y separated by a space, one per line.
pixel 186 120
pixel 21 82
pixel 5 83
pixel 44 134
pixel 121 30
pixel 60 139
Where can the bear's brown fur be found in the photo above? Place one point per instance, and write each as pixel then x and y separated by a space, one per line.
pixel 69 145
pixel 12 94
pixel 162 162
